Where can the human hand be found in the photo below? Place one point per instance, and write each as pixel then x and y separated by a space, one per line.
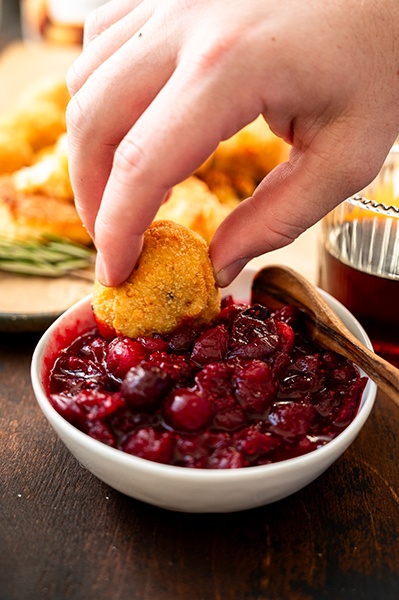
pixel 160 84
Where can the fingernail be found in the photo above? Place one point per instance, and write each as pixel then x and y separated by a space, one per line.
pixel 226 275
pixel 100 269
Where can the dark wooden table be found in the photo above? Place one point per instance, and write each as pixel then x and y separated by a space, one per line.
pixel 66 535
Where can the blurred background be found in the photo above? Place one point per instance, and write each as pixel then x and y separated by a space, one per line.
pixel 10 28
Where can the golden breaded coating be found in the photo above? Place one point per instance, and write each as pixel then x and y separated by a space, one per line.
pixel 193 205
pixel 172 283
pixel 26 215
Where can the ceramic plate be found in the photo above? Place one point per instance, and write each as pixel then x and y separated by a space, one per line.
pixel 33 303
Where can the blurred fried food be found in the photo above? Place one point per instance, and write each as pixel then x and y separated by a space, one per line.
pixel 193 205
pixel 25 215
pixel 241 162
pixel 34 153
pixel 49 175
pixel 15 151
pixel 172 284
pixel 36 121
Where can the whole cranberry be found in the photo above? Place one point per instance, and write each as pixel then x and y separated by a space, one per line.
pixel 187 410
pixel 150 444
pixel 123 354
pixel 145 386
pixel 66 406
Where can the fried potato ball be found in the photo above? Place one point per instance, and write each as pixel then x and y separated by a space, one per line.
pixel 172 284
pixel 193 205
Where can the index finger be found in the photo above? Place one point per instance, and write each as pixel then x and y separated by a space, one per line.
pixel 170 140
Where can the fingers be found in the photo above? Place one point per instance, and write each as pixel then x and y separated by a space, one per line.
pixel 106 15
pixel 171 139
pixel 291 199
pixel 121 177
pixel 107 34
pixel 101 113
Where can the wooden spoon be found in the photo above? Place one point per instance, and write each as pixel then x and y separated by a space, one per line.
pixel 325 328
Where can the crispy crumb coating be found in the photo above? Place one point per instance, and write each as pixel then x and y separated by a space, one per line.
pixel 172 283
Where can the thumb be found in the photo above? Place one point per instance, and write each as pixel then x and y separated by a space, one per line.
pixel 292 198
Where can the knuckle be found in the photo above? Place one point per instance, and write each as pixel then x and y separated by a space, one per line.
pixel 94 25
pixel 129 161
pixel 75 116
pixel 74 81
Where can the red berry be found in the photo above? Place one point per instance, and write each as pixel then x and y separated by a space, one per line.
pixel 187 410
pixel 123 354
pixel 145 386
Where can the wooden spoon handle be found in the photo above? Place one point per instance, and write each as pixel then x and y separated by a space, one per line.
pixel 287 286
pixel 385 375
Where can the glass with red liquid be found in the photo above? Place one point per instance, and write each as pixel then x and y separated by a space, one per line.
pixel 359 259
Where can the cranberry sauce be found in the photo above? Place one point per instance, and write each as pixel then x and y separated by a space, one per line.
pixel 251 389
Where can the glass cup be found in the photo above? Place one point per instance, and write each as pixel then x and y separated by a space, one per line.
pixel 359 257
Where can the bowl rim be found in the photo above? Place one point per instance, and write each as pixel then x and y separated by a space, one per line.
pixel 343 439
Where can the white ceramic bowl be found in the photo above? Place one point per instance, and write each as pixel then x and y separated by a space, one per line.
pixel 180 488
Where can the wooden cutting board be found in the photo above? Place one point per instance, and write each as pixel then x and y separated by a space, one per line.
pixel 23 63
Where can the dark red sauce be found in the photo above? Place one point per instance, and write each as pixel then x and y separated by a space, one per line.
pixel 252 389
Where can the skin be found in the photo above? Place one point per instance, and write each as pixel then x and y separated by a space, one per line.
pixel 161 82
